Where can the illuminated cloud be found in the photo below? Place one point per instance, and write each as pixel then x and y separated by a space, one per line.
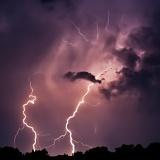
pixel 143 50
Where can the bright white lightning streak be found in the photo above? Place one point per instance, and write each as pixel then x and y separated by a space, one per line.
pixel 67 130
pixel 73 115
pixel 78 30
pixel 108 17
pixel 33 98
pixel 69 43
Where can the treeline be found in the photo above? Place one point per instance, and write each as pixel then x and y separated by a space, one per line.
pixel 125 152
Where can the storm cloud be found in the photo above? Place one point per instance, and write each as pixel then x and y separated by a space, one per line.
pixel 140 57
pixel 118 40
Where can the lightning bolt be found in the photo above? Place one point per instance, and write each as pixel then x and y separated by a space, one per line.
pixel 79 31
pixel 69 43
pixel 73 115
pixel 25 124
pixel 67 130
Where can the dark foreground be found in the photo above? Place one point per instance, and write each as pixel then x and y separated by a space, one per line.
pixel 125 152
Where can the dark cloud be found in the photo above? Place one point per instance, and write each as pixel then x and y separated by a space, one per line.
pixel 129 81
pixel 151 60
pixel 127 56
pixel 55 1
pixel 144 38
pixel 72 76
pixel 54 4
pixel 143 50
pixel 47 1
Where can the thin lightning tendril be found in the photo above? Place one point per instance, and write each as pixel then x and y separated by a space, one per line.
pixel 19 129
pixel 86 145
pixel 32 97
pixel 93 105
pixel 78 30
pixel 69 43
pixel 32 101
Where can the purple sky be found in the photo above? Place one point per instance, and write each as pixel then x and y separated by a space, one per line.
pixel 42 40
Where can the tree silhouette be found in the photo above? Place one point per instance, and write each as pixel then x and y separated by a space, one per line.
pixel 153 151
pixel 125 152
pixel 97 153
pixel 10 153
pixel 78 156
pixel 62 157
pixel 139 152
pixel 37 155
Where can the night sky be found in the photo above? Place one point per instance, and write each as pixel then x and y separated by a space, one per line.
pixel 61 46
